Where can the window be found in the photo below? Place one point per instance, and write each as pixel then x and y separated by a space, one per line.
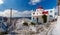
pixel 51 16
pixel 33 13
pixel 51 11
pixel 56 13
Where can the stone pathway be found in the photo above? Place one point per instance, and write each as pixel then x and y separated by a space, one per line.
pixel 56 30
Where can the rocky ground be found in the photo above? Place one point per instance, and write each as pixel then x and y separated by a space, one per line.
pixel 44 29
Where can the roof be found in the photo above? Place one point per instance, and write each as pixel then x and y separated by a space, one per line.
pixel 46 12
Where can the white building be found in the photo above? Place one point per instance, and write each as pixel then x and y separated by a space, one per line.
pixel 37 15
pixel 53 13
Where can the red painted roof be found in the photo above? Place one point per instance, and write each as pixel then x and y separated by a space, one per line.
pixel 45 12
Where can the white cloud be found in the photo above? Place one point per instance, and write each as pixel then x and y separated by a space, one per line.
pixel 15 13
pixel 1 2
pixel 33 2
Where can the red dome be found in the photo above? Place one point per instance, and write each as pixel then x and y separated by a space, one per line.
pixel 40 7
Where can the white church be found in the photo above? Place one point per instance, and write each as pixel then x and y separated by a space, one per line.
pixel 37 15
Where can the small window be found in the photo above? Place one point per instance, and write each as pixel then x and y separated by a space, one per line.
pixel 56 13
pixel 33 13
pixel 51 11
pixel 51 16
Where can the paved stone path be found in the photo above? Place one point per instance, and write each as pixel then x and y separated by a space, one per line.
pixel 56 30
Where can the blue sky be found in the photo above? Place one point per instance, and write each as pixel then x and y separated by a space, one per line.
pixel 23 8
pixel 23 5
